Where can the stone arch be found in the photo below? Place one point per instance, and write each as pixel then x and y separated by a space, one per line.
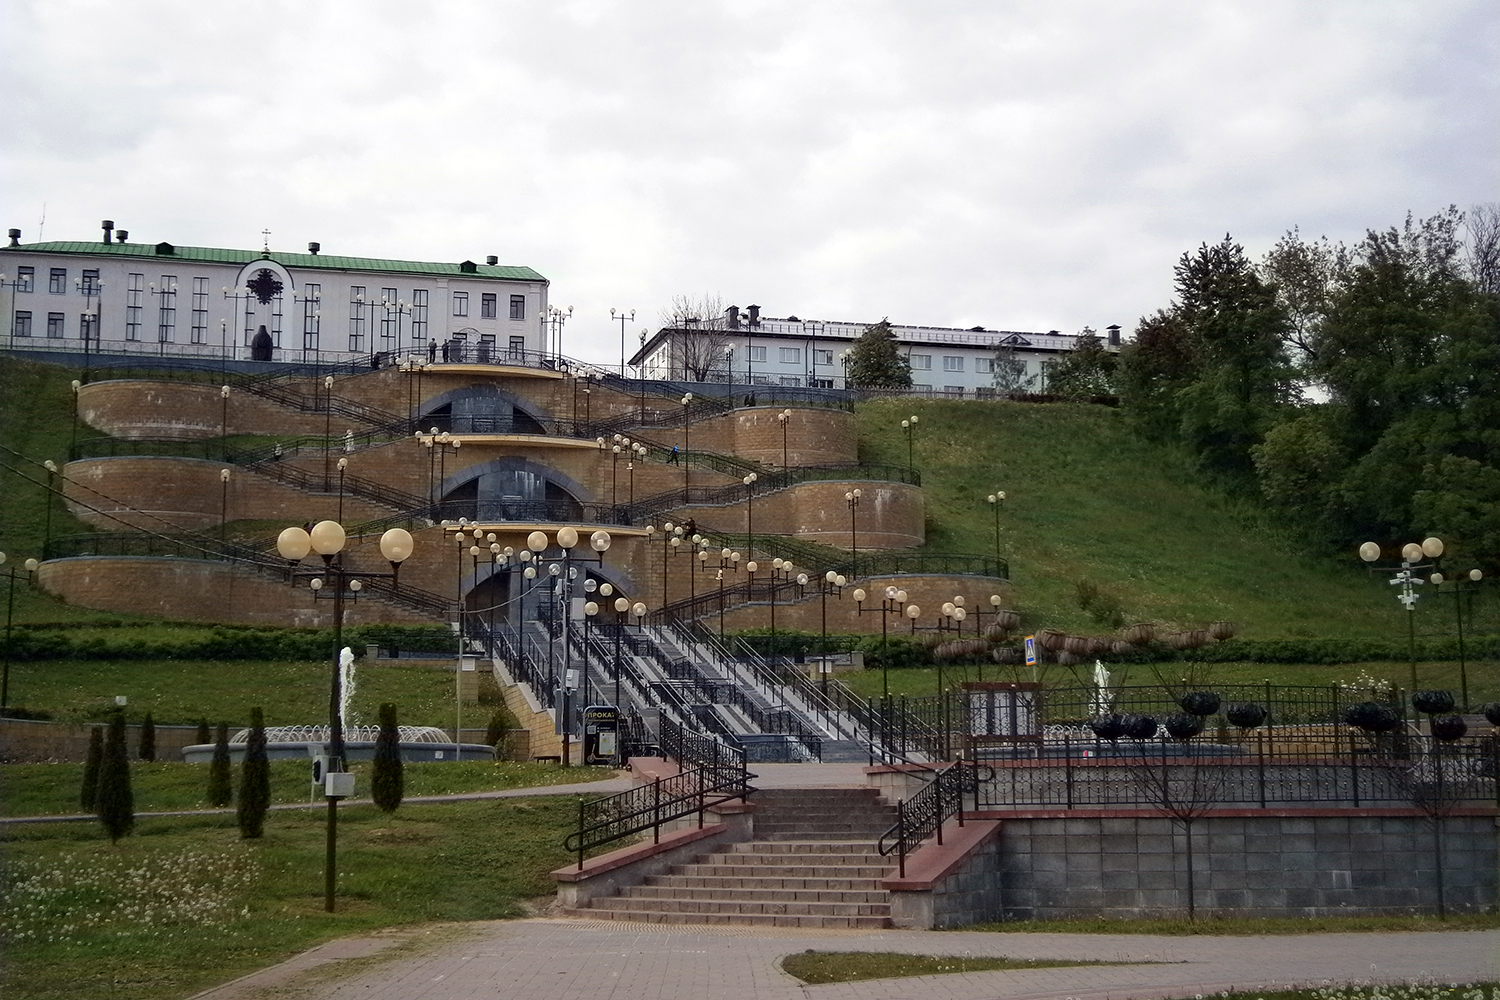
pixel 512 488
pixel 482 408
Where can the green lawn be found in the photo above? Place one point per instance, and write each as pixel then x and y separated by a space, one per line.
pixel 185 903
pixel 52 789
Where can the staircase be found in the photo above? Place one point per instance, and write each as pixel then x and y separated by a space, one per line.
pixel 814 863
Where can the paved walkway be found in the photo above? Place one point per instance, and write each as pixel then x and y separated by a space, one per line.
pixel 565 959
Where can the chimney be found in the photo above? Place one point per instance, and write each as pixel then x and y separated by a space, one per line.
pixel 109 227
pixel 1114 334
pixel 732 317
pixel 492 260
pixel 15 237
pixel 313 248
pixel 754 312
pixel 121 235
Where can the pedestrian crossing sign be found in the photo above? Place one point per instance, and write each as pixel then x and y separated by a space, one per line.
pixel 1031 650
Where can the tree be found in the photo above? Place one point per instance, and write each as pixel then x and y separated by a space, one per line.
pixel 146 748
pixel 387 782
pixel 89 793
pixel 115 804
pixel 1085 371
pixel 204 734
pixel 697 335
pixel 501 722
pixel 1482 246
pixel 875 362
pixel 1010 372
pixel 1154 368
pixel 220 778
pixel 1301 275
pixel 255 780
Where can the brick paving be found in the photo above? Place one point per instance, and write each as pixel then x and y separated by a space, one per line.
pixel 572 959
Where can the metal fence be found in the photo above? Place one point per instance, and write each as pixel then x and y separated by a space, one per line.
pixel 923 814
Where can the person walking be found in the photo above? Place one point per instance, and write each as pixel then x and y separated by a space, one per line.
pixel 676 457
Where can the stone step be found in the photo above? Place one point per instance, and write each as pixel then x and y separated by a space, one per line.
pixel 760 895
pixel 637 904
pixel 787 871
pixel 822 859
pixel 730 883
pixel 735 919
pixel 844 848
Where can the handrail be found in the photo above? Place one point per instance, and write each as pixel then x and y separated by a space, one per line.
pixel 923 814
pixel 717 774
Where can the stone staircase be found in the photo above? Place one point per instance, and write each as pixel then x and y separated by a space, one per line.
pixel 814 863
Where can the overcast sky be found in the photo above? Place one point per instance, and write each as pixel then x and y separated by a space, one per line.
pixel 1020 165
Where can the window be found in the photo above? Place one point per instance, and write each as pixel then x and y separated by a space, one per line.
pixel 56 325
pixel 518 307
pixel 166 309
pixel 200 310
pixel 756 353
pixel 356 318
pixel 921 362
pixel 89 283
pixel 822 383
pixel 822 357
pixel 791 355
pixel 952 363
pixel 57 284
pixel 518 348
pixel 488 307
pixel 135 296
pixel 25 279
pixel 312 322
pixel 23 323
pixel 460 303
pixel 88 326
pixel 984 366
pixel 390 317
pixel 419 315
pixel 791 380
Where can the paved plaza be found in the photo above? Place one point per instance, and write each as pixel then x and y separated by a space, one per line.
pixel 567 959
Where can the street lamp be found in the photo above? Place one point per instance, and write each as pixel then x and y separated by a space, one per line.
pixel 996 499
pixel 782 418
pixel 1459 592
pixel 910 426
pixel 1406 580
pixel 749 482
pixel 687 401
pixel 851 499
pixel 893 601
pixel 91 289
pixel 327 539
pixel 623 318
pixel 10 611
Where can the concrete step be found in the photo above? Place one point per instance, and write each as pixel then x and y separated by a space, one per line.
pixel 761 895
pixel 729 883
pixel 640 904
pixel 818 921
pixel 786 871
pixel 841 848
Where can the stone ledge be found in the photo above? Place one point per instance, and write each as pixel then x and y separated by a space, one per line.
pixel 617 859
pixel 931 863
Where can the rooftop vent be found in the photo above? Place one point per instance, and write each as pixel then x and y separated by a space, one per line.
pixel 108 226
pixel 492 260
pixel 732 317
pixel 1114 334
pixel 754 315
pixel 976 329
pixel 313 248
pixel 165 249
pixel 15 237
pixel 121 235
pixel 468 267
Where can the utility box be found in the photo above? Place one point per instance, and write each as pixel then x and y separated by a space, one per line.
pixel 338 784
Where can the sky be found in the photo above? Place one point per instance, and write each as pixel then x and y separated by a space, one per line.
pixel 1018 165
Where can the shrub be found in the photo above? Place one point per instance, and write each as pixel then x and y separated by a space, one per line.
pixel 255 780
pixel 115 804
pixel 220 778
pixel 146 749
pixel 502 721
pixel 204 734
pixel 89 793
pixel 387 782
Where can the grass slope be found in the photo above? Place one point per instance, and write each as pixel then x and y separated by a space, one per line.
pixel 1089 501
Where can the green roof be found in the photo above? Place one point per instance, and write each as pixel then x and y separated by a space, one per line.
pixel 322 262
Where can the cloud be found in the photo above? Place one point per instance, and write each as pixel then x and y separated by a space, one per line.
pixel 1025 166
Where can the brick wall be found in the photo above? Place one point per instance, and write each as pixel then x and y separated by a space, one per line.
pixel 890 515
pixel 806 615
pixel 24 740
pixel 137 409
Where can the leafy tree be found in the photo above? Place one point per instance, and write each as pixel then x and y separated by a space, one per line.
pixel 204 734
pixel 146 748
pixel 1010 372
pixel 89 793
pixel 115 803
pixel 501 722
pixel 1301 274
pixel 255 780
pixel 875 362
pixel 1087 370
pixel 387 782
pixel 220 777
pixel 1153 369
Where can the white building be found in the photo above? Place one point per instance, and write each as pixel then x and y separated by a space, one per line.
pixel 121 297
pixel 741 346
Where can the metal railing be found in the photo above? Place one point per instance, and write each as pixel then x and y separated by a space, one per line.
pixel 712 772
pixel 922 814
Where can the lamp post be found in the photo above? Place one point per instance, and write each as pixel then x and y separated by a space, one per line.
pixel 622 605
pixel 749 482
pixel 729 368
pixel 852 499
pixel 556 318
pixel 995 500
pixel 52 471
pixel 10 613
pixel 1459 592
pixel 400 307
pixel 327 428
pixel 327 540
pixel 623 317
pixel 910 426
pixel 343 466
pixel 687 401
pixel 223 503
pixel 91 289
pixel 1406 580
pixel 567 537
pixel 782 418
pixel 831 582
